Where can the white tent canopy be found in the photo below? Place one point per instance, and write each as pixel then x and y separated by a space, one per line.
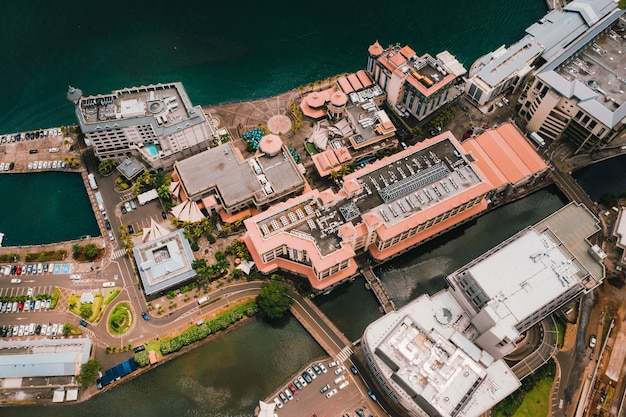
pixel 188 212
pixel 155 231
pixel 150 195
pixel 246 266
pixel 266 410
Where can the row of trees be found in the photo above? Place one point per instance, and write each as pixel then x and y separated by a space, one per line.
pixel 196 333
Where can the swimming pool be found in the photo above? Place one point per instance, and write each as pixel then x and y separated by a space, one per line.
pixel 152 150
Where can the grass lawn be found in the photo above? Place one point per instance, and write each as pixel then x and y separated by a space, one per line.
pixel 121 319
pixel 95 307
pixel 536 402
pixel 311 148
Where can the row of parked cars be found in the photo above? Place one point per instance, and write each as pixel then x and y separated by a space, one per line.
pixel 49 330
pixel 55 164
pixel 24 305
pixel 299 383
pixel 30 269
pixel 17 137
pixel 7 166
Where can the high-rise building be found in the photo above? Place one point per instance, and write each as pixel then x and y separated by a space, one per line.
pixel 156 122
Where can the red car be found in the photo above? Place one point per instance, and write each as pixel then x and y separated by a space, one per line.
pixel 292 388
pixel 18 271
pixel 20 306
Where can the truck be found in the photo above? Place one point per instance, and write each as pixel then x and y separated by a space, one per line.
pixel 203 300
pixel 537 139
pixel 92 182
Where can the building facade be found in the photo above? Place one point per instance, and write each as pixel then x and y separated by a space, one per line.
pixel 443 355
pixel 416 85
pixel 157 123
pixel 390 206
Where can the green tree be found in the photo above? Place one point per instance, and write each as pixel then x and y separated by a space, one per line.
pixel 91 250
pixel 107 166
pixel 86 310
pixel 88 372
pixel 273 301
pixel 622 4
pixel 164 192
pixel 76 248
pixel 67 329
pixel 142 358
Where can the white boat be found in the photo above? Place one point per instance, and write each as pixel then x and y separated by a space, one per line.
pixel 1 238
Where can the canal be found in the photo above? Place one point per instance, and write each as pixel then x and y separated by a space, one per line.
pixel 44 207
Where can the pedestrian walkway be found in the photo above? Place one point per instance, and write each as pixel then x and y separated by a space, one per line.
pixel 344 355
pixel 118 254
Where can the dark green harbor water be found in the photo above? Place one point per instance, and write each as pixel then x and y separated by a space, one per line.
pixel 44 207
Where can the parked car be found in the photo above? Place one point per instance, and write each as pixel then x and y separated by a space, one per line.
pixel 139 348
pixel 325 388
pixel 353 369
pixel 331 393
pixel 592 341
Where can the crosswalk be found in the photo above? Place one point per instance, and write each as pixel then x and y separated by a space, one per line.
pixel 118 253
pixel 344 355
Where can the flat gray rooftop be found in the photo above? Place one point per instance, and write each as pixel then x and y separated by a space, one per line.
pixel 573 225
pixel 424 178
pixel 235 180
pixel 601 67
pixel 163 100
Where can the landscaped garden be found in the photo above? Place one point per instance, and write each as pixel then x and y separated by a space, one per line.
pixel 532 398
pixel 121 319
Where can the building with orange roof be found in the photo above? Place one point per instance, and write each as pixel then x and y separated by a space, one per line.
pixel 417 85
pixel 390 206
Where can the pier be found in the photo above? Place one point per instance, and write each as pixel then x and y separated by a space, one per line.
pixel 374 283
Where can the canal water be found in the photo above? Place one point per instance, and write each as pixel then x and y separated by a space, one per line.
pixel 604 177
pixel 44 207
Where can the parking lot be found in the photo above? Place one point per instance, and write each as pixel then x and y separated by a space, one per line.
pixel 326 393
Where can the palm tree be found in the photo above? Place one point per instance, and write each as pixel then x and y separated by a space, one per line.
pixel 334 175
pixel 344 170
pixel 72 161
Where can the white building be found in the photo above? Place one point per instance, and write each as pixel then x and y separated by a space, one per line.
pixel 444 355
pixel 156 122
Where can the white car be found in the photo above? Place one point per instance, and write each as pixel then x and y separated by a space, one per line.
pixel 108 284
pixel 111 236
pixel 322 367
pixel 30 292
pixel 311 373
pixel 278 403
pixel 340 370
pixel 75 277
pixel 331 393
pixel 302 381
pixel 332 364
pixel 44 329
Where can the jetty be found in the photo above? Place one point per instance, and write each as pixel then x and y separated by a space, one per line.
pixel 376 286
